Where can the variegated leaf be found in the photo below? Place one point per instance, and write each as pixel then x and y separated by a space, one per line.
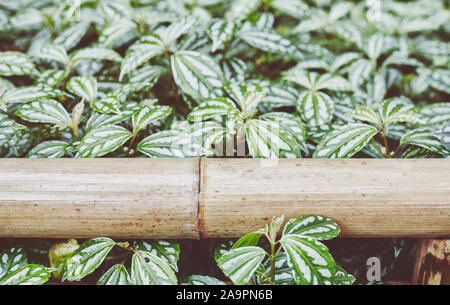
pixel 425 138
pixel 87 258
pixel 201 280
pixel 241 263
pixel 318 227
pixel 269 41
pixel 28 94
pixel 54 52
pixel 8 128
pixel 148 269
pixel 103 140
pixel 221 31
pixel 345 141
pixel 72 35
pixel 15 63
pixel 84 86
pixel 116 275
pixel 366 114
pixel 45 111
pixel 396 110
pixel 197 74
pixel 12 260
pixel 178 28
pixel 147 115
pixel 250 239
pixel 97 120
pixel 160 144
pixel 292 123
pixel 310 260
pixel 315 108
pixel 169 252
pixel 242 8
pixel 268 139
pixel 49 149
pixel 435 114
pixel 213 108
pixel 95 53
pixel 27 275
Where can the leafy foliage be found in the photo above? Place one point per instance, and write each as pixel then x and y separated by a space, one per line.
pixel 278 78
pixel 300 258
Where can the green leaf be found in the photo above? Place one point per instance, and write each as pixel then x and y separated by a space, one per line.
pixel 11 260
pixel 315 108
pixel 84 86
pixel 45 111
pixel 8 128
pixel 268 139
pixel 95 53
pixel 87 258
pixel 440 80
pixel 201 280
pixel 15 63
pixel 49 149
pixel 147 115
pixel 292 123
pixel 140 53
pixel 396 110
pixel 103 140
pixel 435 114
pixel 29 94
pixel 178 28
pixel 310 260
pixel 148 269
pixel 366 114
pixel 197 74
pixel 250 239
pixel 169 252
pixel 345 141
pixel 269 41
pixel 214 107
pixel 425 138
pixel 318 227
pixel 54 52
pixel 221 32
pixel 116 275
pixel 159 145
pixel 27 275
pixel 97 120
pixel 241 263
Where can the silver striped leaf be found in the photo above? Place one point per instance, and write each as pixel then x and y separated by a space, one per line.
pixel 72 35
pixel 103 140
pixel 45 111
pixel 148 269
pixel 292 123
pixel 85 87
pixel 8 128
pixel 169 252
pixel 221 32
pixel 435 114
pixel 316 108
pixel 345 141
pixel 116 275
pixel 160 145
pixel 97 120
pixel 201 280
pixel 268 139
pixel 54 52
pixel 211 108
pixel 318 227
pixel 147 115
pixel 15 63
pixel 94 53
pixel 29 94
pixel 366 114
pixel 241 263
pixel 397 110
pixel 309 260
pixel 87 258
pixel 49 149
pixel 425 138
pixel 27 275
pixel 197 74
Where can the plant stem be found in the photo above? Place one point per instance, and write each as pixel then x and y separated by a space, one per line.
pixel 272 263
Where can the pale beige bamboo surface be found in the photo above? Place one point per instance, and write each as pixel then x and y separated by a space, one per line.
pixel 208 198
pixel 99 197
pixel 367 197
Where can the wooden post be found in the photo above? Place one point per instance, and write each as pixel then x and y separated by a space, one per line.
pixel 432 266
pixel 133 198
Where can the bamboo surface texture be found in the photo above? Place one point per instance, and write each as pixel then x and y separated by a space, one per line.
pixel 209 198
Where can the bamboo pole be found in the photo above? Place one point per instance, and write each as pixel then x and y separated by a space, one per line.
pixel 368 198
pixel 208 198
pixel 78 198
